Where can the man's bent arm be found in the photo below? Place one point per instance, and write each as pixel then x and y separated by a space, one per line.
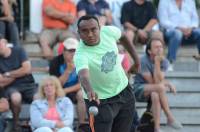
pixel 25 69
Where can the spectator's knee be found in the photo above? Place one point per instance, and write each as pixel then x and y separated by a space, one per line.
pixel 155 97
pixel 177 34
pixel 161 88
pixel 16 98
pixel 79 96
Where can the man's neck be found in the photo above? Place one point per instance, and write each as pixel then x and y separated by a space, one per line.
pixel 139 2
pixel 179 3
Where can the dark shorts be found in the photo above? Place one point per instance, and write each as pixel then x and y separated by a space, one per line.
pixel 139 93
pixel 115 113
pixel 26 90
pixel 72 96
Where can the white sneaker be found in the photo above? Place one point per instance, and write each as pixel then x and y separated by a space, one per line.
pixel 170 68
pixel 176 125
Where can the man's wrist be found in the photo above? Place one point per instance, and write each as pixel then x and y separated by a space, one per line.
pixel 7 74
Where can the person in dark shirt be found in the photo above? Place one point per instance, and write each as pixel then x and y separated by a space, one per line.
pixel 16 80
pixel 99 8
pixel 139 19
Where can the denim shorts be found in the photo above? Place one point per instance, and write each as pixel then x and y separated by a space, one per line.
pixel 139 92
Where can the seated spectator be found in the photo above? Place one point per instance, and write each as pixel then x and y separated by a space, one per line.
pixel 99 8
pixel 63 67
pixel 115 7
pixel 138 18
pixel 52 112
pixel 150 83
pixel 58 15
pixel 8 27
pixel 16 80
pixel 4 106
pixel 180 22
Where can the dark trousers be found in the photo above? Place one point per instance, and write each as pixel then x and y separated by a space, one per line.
pixel 115 113
pixel 9 31
pixel 2 124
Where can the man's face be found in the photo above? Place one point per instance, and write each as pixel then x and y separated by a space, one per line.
pixel 89 31
pixel 68 55
pixel 2 46
pixel 156 48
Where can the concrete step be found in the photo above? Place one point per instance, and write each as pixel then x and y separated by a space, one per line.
pixel 185 116
pixel 38 76
pixel 186 128
pixel 180 100
pixel 186 85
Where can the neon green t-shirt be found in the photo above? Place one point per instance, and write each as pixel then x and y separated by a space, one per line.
pixel 107 76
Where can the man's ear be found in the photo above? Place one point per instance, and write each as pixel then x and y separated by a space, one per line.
pixel 149 51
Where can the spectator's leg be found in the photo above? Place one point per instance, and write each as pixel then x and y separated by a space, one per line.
pixel 47 39
pixel 3 28
pixel 156 109
pixel 130 36
pixel 15 104
pixel 63 34
pixel 174 38
pixel 195 38
pixel 2 124
pixel 43 129
pixel 160 89
pixel 81 108
pixel 13 33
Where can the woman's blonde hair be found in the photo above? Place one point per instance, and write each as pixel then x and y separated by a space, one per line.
pixel 57 84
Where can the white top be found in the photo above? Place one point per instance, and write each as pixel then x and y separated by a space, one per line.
pixel 171 16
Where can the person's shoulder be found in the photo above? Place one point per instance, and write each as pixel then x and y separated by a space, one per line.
pixel 65 100
pixel 145 59
pixel 127 4
pixel 37 102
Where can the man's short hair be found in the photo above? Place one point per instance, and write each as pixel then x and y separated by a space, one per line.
pixel 150 42
pixel 87 17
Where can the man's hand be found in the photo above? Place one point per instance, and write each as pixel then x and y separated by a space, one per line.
pixel 59 124
pixel 93 96
pixel 172 88
pixel 68 18
pixel 4 106
pixel 70 67
pixel 159 58
pixel 135 68
pixel 186 31
pixel 10 18
pixel 142 35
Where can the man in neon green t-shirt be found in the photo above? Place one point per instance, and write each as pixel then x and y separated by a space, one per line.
pixel 102 77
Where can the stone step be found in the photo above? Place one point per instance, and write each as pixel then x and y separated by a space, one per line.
pixel 186 128
pixel 185 116
pixel 186 84
pixel 180 100
pixel 38 76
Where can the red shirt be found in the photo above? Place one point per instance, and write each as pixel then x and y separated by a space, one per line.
pixel 66 6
